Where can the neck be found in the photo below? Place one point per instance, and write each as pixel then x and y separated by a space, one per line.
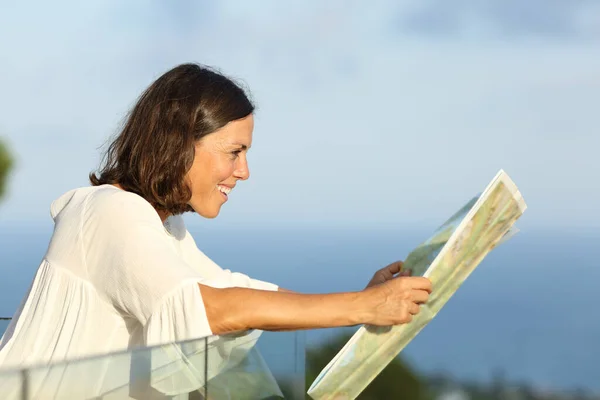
pixel 163 215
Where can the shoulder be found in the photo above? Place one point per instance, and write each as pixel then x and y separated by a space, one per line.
pixel 109 196
pixel 104 199
pixel 110 209
pixel 109 200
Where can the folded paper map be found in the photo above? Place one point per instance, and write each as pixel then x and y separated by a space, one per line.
pixel 447 258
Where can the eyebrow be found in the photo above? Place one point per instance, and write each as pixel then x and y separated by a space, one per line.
pixel 242 146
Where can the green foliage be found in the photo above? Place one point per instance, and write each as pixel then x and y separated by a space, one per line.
pixel 6 164
pixel 397 381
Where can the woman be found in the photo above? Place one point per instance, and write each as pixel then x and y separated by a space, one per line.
pixel 122 271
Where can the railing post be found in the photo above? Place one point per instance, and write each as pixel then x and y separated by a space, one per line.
pixel 300 363
pixel 24 384
pixel 206 367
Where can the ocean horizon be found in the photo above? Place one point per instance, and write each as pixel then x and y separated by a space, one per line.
pixel 527 310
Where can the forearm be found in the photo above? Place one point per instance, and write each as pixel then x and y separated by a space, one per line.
pixel 236 309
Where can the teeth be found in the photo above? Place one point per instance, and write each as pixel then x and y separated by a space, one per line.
pixel 224 189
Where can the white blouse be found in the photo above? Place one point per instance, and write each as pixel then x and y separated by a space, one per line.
pixel 114 277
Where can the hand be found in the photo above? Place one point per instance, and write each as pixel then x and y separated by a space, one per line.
pixel 395 301
pixel 392 271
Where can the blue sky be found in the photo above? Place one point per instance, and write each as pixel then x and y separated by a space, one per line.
pixel 391 114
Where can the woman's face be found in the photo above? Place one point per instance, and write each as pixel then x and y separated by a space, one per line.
pixel 219 162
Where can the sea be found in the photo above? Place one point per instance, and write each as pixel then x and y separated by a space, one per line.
pixel 530 310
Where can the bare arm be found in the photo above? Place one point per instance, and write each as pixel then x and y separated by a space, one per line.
pixel 236 309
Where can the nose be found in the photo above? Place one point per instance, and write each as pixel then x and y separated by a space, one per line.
pixel 242 171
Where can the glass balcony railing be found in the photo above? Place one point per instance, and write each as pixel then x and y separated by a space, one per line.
pixel 250 366
pixel 3 325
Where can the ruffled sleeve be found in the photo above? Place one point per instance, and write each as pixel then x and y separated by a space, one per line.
pixel 179 316
pixel 134 265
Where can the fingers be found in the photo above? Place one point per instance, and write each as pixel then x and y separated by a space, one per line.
pixel 414 309
pixel 419 296
pixel 419 283
pixel 393 268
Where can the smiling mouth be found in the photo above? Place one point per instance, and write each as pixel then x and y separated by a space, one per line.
pixel 224 189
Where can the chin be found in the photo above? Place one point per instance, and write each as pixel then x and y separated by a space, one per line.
pixel 209 214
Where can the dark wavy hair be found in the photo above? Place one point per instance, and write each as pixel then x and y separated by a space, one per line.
pixel 155 149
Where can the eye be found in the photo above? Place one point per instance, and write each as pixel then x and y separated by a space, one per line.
pixel 234 154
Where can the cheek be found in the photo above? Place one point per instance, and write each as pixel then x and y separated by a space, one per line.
pixel 199 178
pixel 224 170
pixel 205 176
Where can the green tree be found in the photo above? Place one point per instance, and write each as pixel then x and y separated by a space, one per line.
pixel 6 163
pixel 397 381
